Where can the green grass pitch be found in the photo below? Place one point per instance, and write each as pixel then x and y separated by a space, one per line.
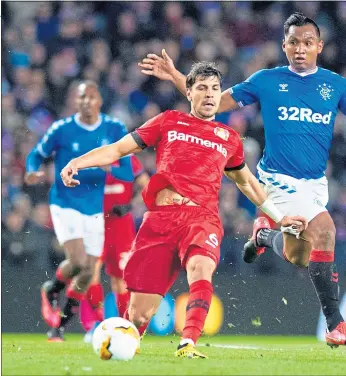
pixel 31 354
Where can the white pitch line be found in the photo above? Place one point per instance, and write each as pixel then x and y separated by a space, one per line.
pixel 242 347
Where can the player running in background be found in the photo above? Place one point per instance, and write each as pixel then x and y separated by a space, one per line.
pixel 299 104
pixel 120 232
pixel 77 214
pixel 182 228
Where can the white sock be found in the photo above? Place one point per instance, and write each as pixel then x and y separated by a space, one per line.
pixel 184 341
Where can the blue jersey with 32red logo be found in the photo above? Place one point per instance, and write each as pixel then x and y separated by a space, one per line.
pixel 298 114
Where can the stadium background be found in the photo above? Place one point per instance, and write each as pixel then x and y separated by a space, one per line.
pixel 47 47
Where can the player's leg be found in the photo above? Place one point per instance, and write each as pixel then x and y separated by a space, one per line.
pixel 324 276
pixel 149 274
pixel 84 256
pixel 50 290
pixel 118 286
pixel 142 307
pixel 67 226
pixel 286 246
pixel 119 236
pixel 292 197
pixel 316 252
pixel 199 269
pixel 93 300
pixel 50 309
pixel 199 252
pixel 95 293
pixel 113 263
pixel 152 267
pixel 79 284
pixel 76 256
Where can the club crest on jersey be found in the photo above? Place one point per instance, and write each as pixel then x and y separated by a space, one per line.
pixel 75 146
pixel 325 91
pixel 222 133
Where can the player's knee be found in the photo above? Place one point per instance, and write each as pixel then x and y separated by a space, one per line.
pixel 118 285
pixel 79 261
pixel 138 316
pixel 298 259
pixel 324 239
pixel 86 274
pixel 201 269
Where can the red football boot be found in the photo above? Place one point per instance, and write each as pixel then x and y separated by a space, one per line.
pixel 50 315
pixel 251 249
pixel 337 337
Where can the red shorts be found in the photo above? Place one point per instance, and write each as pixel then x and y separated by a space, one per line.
pixel 119 235
pixel 162 245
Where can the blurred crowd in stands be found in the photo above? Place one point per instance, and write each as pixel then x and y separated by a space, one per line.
pixel 48 46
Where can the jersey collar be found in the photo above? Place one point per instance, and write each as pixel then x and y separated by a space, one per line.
pixel 87 127
pixel 303 74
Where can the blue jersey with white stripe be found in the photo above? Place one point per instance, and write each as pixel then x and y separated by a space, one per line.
pixel 70 138
pixel 298 114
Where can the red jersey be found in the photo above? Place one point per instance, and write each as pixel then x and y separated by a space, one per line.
pixel 191 156
pixel 119 192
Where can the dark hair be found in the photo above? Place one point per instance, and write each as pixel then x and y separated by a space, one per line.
pixel 202 69
pixel 299 19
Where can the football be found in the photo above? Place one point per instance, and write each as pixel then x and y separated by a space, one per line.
pixel 116 339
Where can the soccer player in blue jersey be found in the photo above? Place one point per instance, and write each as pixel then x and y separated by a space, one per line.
pixel 299 104
pixel 77 214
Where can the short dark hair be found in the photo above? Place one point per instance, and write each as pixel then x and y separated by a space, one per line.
pixel 202 69
pixel 299 19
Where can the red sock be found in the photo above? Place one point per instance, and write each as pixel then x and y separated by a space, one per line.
pixel 94 295
pixel 142 328
pixel 197 309
pixel 59 276
pixel 75 294
pixel 122 302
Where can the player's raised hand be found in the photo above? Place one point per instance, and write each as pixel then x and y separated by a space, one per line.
pixel 67 174
pixel 32 178
pixel 160 67
pixel 297 223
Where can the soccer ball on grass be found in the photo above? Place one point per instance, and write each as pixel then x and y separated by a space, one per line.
pixel 116 339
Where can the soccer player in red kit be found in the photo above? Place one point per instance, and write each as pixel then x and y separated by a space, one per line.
pixel 182 227
pixel 120 232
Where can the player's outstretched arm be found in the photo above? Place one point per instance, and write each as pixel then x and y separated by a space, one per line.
pixel 163 68
pixel 250 186
pixel 227 102
pixel 98 157
pixel 33 163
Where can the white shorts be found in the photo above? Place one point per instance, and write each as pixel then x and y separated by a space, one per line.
pixel 305 197
pixel 70 224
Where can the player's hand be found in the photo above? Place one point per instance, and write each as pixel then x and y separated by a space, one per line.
pixel 32 178
pixel 297 223
pixel 160 67
pixel 67 174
